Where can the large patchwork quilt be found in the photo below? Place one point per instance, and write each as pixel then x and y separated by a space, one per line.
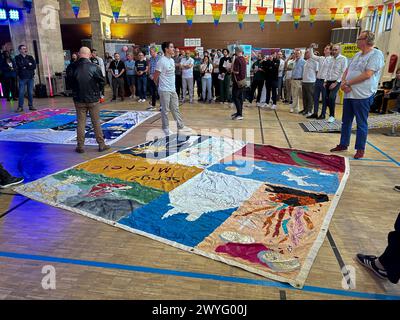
pixel 59 126
pixel 258 207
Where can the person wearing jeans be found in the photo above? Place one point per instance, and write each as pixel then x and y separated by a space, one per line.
pixel 359 83
pixel 154 57
pixel 239 74
pixel 26 66
pixel 280 74
pixel 141 76
pixel 206 69
pixel 224 77
pixel 258 80
pixel 197 75
pixel 187 76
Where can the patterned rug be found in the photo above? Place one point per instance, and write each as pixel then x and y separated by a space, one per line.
pixel 374 122
pixel 258 207
pixel 59 126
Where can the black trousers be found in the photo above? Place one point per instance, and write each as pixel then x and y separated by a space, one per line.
pixel 390 259
pixel 178 84
pixel 153 92
pixel 271 86
pixel 4 175
pixel 215 85
pixel 256 84
pixel 10 86
pixel 392 96
pixel 197 81
pixel 237 97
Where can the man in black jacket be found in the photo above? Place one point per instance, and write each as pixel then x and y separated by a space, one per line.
pixel 271 68
pixel 26 66
pixel 87 81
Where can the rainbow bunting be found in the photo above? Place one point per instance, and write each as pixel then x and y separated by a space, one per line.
pixel 371 9
pixel 278 14
pixel 296 16
pixel 380 10
pixel 397 5
pixel 190 7
pixel 216 12
pixel 346 12
pixel 389 10
pixel 313 13
pixel 333 14
pixel 262 11
pixel 240 14
pixel 359 12
pixel 76 5
pixel 116 6
pixel 157 8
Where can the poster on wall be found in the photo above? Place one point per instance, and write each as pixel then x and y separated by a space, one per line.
pixel 119 47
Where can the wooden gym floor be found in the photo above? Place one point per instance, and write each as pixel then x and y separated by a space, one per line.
pixel 96 261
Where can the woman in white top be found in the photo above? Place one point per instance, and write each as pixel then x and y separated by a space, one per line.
pixel 206 70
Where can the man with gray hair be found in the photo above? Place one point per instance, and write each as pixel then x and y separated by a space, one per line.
pixel 238 75
pixel 360 82
pixel 297 78
pixel 87 83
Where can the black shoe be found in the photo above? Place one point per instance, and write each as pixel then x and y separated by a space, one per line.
pixel 303 112
pixel 32 108
pixel 12 181
pixel 396 188
pixel 233 115
pixel 313 116
pixel 321 117
pixel 369 262
pixel 20 109
pixel 79 150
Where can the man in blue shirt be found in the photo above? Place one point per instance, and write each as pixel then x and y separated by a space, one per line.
pixel 130 74
pixel 154 57
pixel 297 78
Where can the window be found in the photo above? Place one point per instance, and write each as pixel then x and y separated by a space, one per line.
pixel 372 20
pixel 389 19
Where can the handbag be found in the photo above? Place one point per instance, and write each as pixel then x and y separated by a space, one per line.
pixel 242 83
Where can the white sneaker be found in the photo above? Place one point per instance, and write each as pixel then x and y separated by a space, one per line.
pixel 185 130
pixel 291 109
pixel 273 107
pixel 263 105
pixel 167 132
pixel 151 108
pixel 331 119
pixel 143 100
pixel 309 114
pixel 130 97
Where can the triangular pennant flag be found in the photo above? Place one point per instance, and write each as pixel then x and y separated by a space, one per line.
pixel 398 7
pixel 359 12
pixel 296 16
pixel 278 15
pixel 157 8
pixel 346 12
pixel 216 12
pixel 389 10
pixel 262 11
pixel 116 8
pixel 313 13
pixel 333 15
pixel 76 5
pixel 190 7
pixel 371 9
pixel 380 11
pixel 240 14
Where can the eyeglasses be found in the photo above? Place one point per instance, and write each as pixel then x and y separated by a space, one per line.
pixel 361 38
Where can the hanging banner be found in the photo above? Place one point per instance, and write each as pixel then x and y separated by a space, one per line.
pixel 389 10
pixel 296 16
pixel 313 13
pixel 333 15
pixel 262 11
pixel 157 9
pixel 116 6
pixel 380 11
pixel 190 7
pixel 346 12
pixel 216 12
pixel 76 5
pixel 240 14
pixel 359 12
pixel 397 5
pixel 278 15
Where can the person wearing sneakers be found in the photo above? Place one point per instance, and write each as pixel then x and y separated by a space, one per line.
pixel 164 77
pixel 271 68
pixel 26 66
pixel 7 180
pixel 387 265
pixel 258 80
pixel 360 83
pixel 88 81
pixel 118 69
pixel 320 90
pixel 238 75
pixel 130 67
pixel 187 64
pixel 141 76
pixel 297 78
pixel 332 84
pixel 154 57
pixel 309 77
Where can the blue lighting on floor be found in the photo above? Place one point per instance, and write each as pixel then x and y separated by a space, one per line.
pixel 3 14
pixel 14 15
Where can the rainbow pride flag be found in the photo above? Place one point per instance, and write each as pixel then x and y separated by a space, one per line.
pixel 240 14
pixel 313 13
pixel 333 15
pixel 76 5
pixel 116 6
pixel 397 5
pixel 278 14
pixel 216 12
pixel 346 12
pixel 389 10
pixel 380 11
pixel 359 12
pixel 157 8
pixel 190 7
pixel 296 16
pixel 262 12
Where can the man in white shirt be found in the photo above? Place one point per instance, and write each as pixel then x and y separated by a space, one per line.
pixel 187 76
pixel 280 74
pixel 323 67
pixel 164 78
pixel 360 83
pixel 309 77
pixel 333 80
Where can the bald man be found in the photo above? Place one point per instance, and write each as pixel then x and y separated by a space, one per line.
pixel 87 83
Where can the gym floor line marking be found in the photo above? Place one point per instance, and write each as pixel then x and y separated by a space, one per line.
pixel 384 153
pixel 13 208
pixel 196 275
